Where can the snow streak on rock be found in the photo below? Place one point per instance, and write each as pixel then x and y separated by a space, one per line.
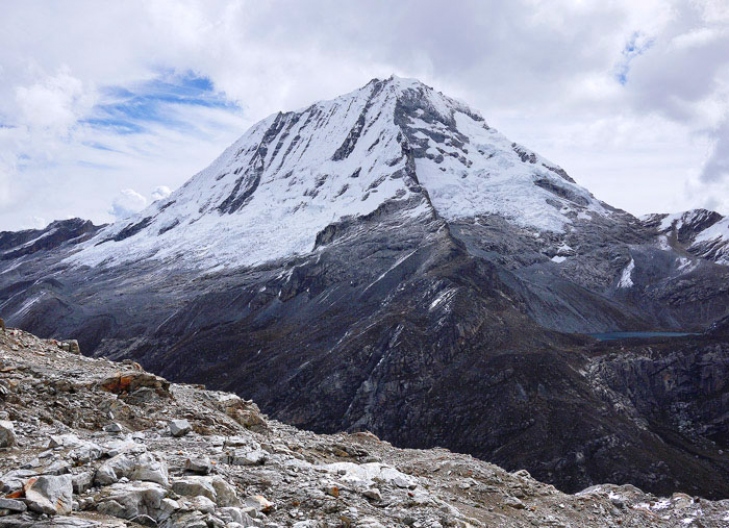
pixel 626 279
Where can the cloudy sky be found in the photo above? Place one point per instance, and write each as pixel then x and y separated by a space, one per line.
pixel 106 106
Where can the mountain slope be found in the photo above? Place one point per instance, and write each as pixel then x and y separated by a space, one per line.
pixel 386 261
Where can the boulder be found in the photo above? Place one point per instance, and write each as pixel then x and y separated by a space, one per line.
pixel 150 467
pixel 82 482
pixel 199 503
pixel 70 345
pixel 202 466
pixel 214 488
pixel 12 505
pixel 7 434
pixel 259 503
pixel 125 383
pixel 246 457
pixel 86 452
pixel 52 495
pixel 12 481
pixel 179 428
pixel 65 440
pixel 132 499
pixel 114 427
pixel 244 412
pixel 231 514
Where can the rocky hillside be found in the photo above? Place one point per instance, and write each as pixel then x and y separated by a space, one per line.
pixel 92 443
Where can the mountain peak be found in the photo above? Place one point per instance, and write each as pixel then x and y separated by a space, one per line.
pixel 292 174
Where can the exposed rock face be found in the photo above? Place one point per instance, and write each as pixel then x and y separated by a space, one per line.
pixel 49 494
pixel 306 480
pixel 14 245
pixel 698 232
pixel 387 261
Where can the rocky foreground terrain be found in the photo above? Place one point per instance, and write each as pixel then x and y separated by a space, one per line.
pixel 92 443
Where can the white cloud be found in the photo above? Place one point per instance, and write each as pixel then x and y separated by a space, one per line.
pixel 56 102
pixel 716 168
pixel 161 192
pixel 127 203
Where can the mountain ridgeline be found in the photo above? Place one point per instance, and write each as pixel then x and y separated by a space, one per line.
pixel 387 261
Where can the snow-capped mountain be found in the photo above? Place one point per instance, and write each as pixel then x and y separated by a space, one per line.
pixel 394 141
pixel 699 232
pixel 387 261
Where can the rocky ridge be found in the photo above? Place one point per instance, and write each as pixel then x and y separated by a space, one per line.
pixel 698 232
pixel 92 443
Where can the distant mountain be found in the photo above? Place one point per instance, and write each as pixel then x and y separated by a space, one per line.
pixel 699 232
pixel 18 244
pixel 388 261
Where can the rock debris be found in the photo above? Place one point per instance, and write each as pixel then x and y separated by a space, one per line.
pixel 92 443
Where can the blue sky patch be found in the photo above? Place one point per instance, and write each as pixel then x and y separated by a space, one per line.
pixel 99 146
pixel 131 110
pixel 638 44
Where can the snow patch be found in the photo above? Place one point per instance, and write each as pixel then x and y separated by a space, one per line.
pixel 663 244
pixel 687 265
pixel 626 280
pixel 717 232
pixel 444 297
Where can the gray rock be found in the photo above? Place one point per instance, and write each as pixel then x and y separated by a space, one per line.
pixel 65 440
pixel 259 503
pixel 167 508
pixel 373 494
pixel 70 345
pixel 194 487
pixel 214 488
pixel 12 505
pixel 307 524
pixel 13 481
pixel 82 482
pixel 150 467
pixel 144 520
pixel 50 494
pixel 192 519
pixel 202 466
pixel 369 522
pixel 514 503
pixel 234 515
pixel 313 480
pixel 86 452
pixel 132 499
pixel 114 428
pixel 7 434
pixel 57 467
pixel 117 447
pixel 179 427
pixel 200 503
pixel 242 457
